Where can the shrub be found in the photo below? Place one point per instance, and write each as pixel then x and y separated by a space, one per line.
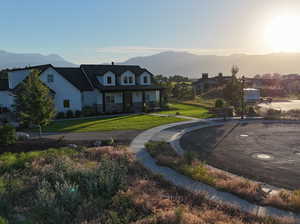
pixel 55 204
pixel 179 212
pixel 219 103
pixel 89 111
pixel 251 111
pixel 3 221
pixel 189 157
pixel 108 142
pixel 60 115
pixel 295 200
pixel 177 113
pixel 7 135
pixel 273 114
pixel 70 114
pixel 77 113
pixel 198 172
pixel 156 148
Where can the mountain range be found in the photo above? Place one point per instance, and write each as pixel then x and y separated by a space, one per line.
pixel 16 60
pixel 178 63
pixel 191 65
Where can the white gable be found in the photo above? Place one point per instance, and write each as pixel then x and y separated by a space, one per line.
pixel 63 89
pixel 16 77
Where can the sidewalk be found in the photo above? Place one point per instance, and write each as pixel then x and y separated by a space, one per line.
pixel 137 147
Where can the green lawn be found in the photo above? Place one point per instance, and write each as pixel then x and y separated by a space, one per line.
pixel 187 110
pixel 130 122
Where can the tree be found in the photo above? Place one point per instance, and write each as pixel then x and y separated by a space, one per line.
pixel 234 70
pixel 182 91
pixel 34 104
pixel 232 90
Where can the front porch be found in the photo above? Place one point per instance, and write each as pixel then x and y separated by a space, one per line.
pixel 130 101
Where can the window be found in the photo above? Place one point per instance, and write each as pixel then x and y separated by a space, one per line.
pixel 130 79
pixel 66 103
pixel 109 99
pixel 145 79
pixel 50 78
pixel 125 79
pixel 109 80
pixel 147 97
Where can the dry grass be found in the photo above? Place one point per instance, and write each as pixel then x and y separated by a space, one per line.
pixel 148 199
pixel 244 188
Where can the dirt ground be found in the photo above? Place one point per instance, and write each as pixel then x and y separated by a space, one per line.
pixel 261 151
pixel 56 140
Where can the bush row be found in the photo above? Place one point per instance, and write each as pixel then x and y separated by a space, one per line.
pixel 7 135
pixel 85 112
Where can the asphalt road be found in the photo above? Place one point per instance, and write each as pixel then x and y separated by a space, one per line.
pixel 261 151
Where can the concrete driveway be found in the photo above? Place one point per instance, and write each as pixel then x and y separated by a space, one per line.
pixel 282 105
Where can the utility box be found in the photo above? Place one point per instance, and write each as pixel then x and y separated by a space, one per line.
pixel 251 95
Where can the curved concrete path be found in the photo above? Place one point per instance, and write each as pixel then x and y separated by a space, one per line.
pixel 137 147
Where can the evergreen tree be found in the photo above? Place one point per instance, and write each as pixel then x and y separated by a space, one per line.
pixel 34 104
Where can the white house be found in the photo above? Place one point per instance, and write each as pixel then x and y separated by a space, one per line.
pixel 107 88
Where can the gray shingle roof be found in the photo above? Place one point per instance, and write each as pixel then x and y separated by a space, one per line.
pixel 76 77
pixel 84 78
pixel 93 71
pixel 4 84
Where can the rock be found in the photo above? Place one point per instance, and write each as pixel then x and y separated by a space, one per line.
pixel 22 136
pixel 97 143
pixel 73 146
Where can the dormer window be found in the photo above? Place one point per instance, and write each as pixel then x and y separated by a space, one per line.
pixel 130 80
pixel 127 78
pixel 145 79
pixel 109 81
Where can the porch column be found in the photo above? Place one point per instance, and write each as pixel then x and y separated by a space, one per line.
pixel 160 98
pixel 143 97
pixel 103 102
pixel 123 99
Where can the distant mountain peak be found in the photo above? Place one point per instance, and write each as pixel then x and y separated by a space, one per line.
pixel 17 60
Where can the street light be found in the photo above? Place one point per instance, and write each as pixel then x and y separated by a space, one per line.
pixel 243 100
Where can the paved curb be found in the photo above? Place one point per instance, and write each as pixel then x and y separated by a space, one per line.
pixel 137 147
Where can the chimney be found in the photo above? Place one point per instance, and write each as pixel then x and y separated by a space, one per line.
pixel 112 63
pixel 204 75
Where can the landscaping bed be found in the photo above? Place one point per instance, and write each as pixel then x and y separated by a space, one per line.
pixel 100 185
pixel 252 191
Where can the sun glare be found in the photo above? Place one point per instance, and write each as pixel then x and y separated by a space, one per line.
pixel 283 34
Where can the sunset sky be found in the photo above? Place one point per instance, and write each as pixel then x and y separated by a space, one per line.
pixel 95 31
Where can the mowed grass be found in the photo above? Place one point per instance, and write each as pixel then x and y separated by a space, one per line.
pixel 187 110
pixel 129 122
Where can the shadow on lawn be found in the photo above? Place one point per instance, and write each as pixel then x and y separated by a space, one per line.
pixel 93 123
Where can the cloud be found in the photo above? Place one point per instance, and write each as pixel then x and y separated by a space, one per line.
pixel 153 50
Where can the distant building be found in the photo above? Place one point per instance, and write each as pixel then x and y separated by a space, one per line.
pixel 206 83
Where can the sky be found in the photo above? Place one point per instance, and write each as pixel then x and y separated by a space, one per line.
pixel 97 31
